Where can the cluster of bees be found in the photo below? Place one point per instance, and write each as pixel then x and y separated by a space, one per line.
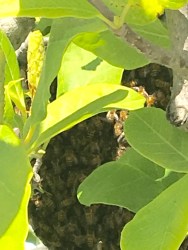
pixel 57 217
pixel 153 81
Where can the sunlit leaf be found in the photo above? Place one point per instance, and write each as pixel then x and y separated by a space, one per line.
pixel 16 234
pixel 150 134
pixel 12 69
pixel 131 182
pixel 173 4
pixel 47 8
pixel 81 103
pixel 12 74
pixel 62 33
pixel 162 224
pixel 14 189
pixel 124 56
pixel 88 69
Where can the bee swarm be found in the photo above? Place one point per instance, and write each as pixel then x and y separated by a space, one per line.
pixel 57 217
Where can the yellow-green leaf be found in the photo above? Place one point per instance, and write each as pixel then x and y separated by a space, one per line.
pixel 15 175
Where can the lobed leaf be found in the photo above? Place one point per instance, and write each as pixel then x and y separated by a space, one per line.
pixel 150 134
pixel 131 182
pixel 162 224
pixel 88 69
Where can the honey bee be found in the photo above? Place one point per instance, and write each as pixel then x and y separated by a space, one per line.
pixel 163 85
pixel 154 69
pixel 67 202
pixel 61 216
pixel 95 160
pixel 141 90
pixel 112 116
pixel 161 99
pixel 99 245
pixel 44 227
pixel 57 168
pixel 60 229
pixel 123 115
pixel 89 216
pixel 79 240
pixel 71 227
pixel 49 203
pixel 38 203
pixel 118 128
pixel 90 133
pixel 97 121
pixel 92 147
pixel 70 180
pixel 150 100
pixel 70 158
pixel 90 239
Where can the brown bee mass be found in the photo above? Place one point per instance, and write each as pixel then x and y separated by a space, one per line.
pixel 58 219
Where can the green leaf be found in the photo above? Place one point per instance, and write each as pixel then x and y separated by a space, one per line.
pixel 81 103
pixel 131 182
pixel 14 189
pixel 62 32
pixel 154 32
pixel 12 71
pixel 173 4
pixel 16 94
pixel 102 45
pixel 47 8
pixel 12 74
pixel 14 238
pixel 88 69
pixel 162 224
pixel 9 117
pixel 138 12
pixel 150 134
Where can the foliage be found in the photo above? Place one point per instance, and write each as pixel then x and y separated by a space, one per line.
pixel 79 26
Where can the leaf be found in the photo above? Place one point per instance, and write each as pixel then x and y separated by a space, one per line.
pixel 102 45
pixel 14 188
pixel 88 69
pixel 47 8
pixel 154 32
pixel 15 91
pixel 12 71
pixel 62 33
pixel 150 134
pixel 131 182
pixel 173 4
pixel 10 117
pixel 81 103
pixel 162 224
pixel 138 12
pixel 14 238
pixel 12 74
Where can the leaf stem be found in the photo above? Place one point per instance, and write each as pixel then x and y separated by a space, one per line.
pixel 2 88
pixel 123 14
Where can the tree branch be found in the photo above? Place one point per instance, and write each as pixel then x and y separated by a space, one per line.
pixel 103 9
